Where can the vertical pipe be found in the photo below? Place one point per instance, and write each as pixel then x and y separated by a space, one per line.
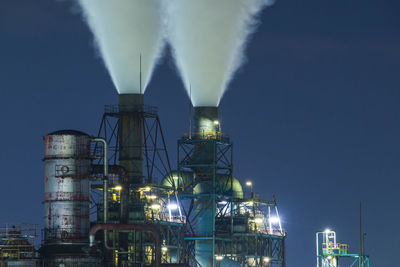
pixel 316 241
pixel 105 179
pixel 361 247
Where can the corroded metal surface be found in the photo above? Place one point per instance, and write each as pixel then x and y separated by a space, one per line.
pixel 66 197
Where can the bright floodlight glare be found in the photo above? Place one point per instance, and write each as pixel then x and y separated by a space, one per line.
pixel 266 259
pixel 219 257
pixel 250 203
pixel 172 206
pixel 327 230
pixel 164 249
pixel 151 196
pixel 274 220
pixel 216 122
pixel 118 188
pixel 258 220
pixel 155 206
pixel 248 183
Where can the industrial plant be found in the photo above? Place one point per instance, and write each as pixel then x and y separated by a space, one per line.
pixel 116 198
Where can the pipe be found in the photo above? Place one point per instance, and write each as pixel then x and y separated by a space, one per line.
pixel 129 227
pixel 105 183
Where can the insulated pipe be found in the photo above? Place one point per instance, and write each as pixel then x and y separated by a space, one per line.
pixel 105 179
pixel 105 183
pixel 129 227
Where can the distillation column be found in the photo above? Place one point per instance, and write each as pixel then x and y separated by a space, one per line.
pixel 66 199
pixel 205 128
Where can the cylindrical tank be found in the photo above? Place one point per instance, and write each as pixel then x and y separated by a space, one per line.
pixel 66 199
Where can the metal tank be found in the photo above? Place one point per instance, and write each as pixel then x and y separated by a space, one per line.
pixel 66 198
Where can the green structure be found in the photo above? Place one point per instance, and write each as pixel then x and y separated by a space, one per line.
pixel 330 253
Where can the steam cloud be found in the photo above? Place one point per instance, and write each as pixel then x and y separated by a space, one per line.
pixel 124 30
pixel 208 39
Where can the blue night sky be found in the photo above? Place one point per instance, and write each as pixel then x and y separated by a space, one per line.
pixel 313 114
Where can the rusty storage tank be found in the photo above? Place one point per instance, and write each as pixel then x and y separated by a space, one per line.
pixel 66 198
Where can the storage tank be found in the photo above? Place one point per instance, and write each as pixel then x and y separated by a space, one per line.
pixel 66 199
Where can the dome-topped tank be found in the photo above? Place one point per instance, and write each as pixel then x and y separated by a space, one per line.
pixel 224 183
pixel 66 199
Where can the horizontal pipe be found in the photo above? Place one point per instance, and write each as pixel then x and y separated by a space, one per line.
pixel 130 227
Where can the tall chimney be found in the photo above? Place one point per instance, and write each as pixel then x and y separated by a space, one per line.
pixel 130 134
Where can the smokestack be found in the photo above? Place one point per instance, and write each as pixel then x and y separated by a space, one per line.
pixel 130 134
pixel 205 127
pixel 206 121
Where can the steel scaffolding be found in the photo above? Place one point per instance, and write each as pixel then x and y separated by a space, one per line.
pixel 240 228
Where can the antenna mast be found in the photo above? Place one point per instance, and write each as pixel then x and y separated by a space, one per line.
pixel 190 111
pixel 140 69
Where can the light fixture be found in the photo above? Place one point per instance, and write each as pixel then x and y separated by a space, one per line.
pixel 155 206
pixel 248 183
pixel 216 122
pixel 327 230
pixel 266 260
pixel 274 220
pixel 172 206
pixel 118 188
pixel 151 196
pixel 219 257
pixel 164 249
pixel 259 220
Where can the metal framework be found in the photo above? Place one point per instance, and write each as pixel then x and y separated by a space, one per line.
pixel 157 163
pixel 330 253
pixel 17 244
pixel 148 198
pixel 235 234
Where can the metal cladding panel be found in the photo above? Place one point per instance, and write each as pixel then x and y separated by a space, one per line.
pixel 66 198
pixel 67 179
pixel 204 120
pixel 66 220
pixel 64 146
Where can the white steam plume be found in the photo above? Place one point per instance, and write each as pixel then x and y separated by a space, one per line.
pixel 208 38
pixel 124 31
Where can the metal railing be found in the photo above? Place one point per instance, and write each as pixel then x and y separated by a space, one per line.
pixel 130 109
pixel 206 136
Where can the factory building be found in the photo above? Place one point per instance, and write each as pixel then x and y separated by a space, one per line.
pixel 114 199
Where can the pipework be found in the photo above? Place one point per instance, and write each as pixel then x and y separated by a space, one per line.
pixel 105 183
